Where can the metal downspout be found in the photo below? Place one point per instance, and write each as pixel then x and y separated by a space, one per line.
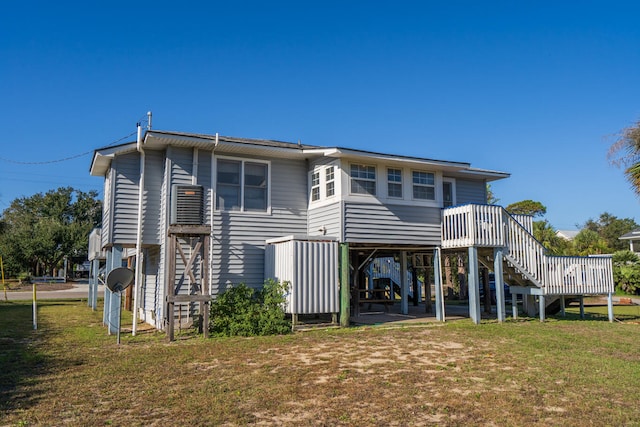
pixel 136 286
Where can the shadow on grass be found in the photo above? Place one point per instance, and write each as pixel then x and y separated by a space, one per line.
pixel 22 360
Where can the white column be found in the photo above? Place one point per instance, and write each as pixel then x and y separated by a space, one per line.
pixel 437 278
pixel 499 278
pixel 610 306
pixel 474 286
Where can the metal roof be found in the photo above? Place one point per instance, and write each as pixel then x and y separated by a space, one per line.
pixel 632 235
pixel 156 139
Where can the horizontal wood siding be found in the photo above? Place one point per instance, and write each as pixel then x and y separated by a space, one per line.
pixel 327 217
pixel 125 199
pixel 392 224
pixel 204 179
pixel 164 219
pixel 107 203
pixel 152 295
pixel 239 237
pixel 238 245
pixel 468 191
pixel 151 208
pixel 289 187
pixel 181 165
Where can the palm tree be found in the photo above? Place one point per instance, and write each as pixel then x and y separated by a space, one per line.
pixel 625 152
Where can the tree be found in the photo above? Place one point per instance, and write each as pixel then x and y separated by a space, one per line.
pixel 546 234
pixel 626 271
pixel 491 197
pixel 39 231
pixel 588 242
pixel 625 153
pixel 527 207
pixel 610 228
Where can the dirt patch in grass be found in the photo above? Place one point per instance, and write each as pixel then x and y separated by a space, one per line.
pixel 520 373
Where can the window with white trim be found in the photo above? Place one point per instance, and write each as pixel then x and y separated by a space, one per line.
pixel 424 185
pixel 363 179
pixel 394 183
pixel 242 185
pixel 315 186
pixel 330 181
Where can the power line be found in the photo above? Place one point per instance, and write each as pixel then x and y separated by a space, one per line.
pixel 47 162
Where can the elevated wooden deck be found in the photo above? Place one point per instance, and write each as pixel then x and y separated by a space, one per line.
pixel 497 239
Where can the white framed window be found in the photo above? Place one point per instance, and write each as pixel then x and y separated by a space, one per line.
pixel 330 181
pixel 424 185
pixel 363 179
pixel 315 186
pixel 242 185
pixel 394 183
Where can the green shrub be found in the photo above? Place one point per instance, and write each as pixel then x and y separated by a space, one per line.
pixel 626 272
pixel 242 311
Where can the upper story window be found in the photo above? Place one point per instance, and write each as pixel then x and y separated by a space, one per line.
pixel 241 185
pixel 315 186
pixel 424 185
pixel 394 183
pixel 363 179
pixel 330 181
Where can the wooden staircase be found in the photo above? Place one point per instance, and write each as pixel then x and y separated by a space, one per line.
pixel 527 266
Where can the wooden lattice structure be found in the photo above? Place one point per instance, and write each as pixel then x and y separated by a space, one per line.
pixel 197 237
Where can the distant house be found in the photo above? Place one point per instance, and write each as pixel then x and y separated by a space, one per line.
pixel 634 240
pixel 215 211
pixel 567 234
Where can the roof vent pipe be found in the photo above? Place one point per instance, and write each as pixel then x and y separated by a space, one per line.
pixel 148 120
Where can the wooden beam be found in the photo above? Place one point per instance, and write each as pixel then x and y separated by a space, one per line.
pixel 474 288
pixel 188 298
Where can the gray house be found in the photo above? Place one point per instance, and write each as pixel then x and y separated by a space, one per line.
pixel 216 211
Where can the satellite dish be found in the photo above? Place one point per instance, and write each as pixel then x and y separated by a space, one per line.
pixel 119 279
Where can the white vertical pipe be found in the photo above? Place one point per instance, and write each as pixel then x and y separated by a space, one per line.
pixel 136 286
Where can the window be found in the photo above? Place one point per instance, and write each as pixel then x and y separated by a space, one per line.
pixel 424 186
pixel 394 183
pixel 255 186
pixel 315 186
pixel 363 179
pixel 330 181
pixel 241 185
pixel 228 188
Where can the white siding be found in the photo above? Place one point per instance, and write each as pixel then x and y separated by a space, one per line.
pixel 327 218
pixel 392 224
pixel 107 210
pixel 204 179
pixel 239 237
pixel 151 213
pixel 468 191
pixel 125 199
pixel 152 300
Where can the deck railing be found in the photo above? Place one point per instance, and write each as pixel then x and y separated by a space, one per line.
pixel 492 226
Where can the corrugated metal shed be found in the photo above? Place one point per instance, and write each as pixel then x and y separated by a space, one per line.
pixel 310 265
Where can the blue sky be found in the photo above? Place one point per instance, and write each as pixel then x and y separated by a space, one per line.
pixel 537 89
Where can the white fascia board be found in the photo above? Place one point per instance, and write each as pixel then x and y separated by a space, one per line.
pixel 489 175
pixel 102 157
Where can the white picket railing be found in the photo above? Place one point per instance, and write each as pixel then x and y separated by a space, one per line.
pixel 492 226
pixel 388 268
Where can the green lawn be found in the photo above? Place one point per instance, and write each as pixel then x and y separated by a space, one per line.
pixel 561 372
